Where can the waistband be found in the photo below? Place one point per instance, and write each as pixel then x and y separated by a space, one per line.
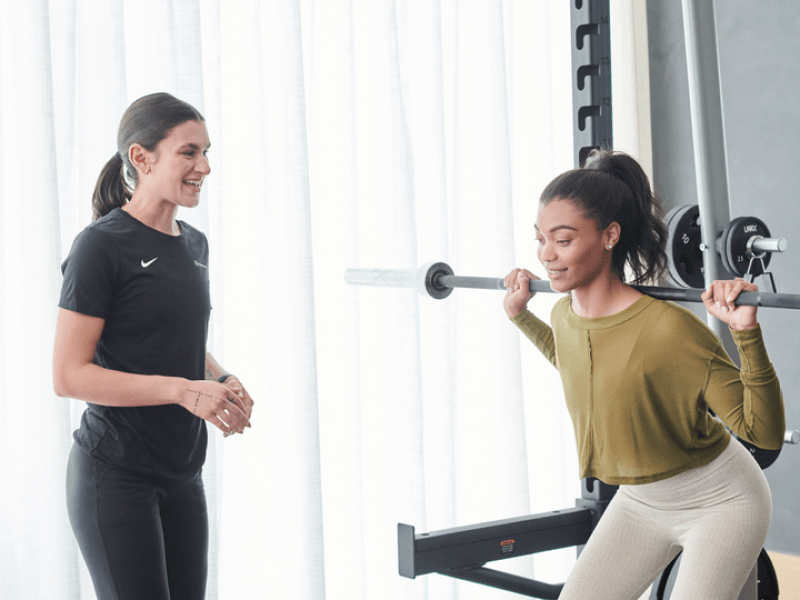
pixel 732 474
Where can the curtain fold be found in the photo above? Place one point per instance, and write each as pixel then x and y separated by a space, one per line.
pixel 345 133
pixel 31 497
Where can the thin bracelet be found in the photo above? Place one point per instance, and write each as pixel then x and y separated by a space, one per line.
pixel 224 377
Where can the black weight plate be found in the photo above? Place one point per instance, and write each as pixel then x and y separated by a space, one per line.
pixel 733 246
pixel 683 247
pixel 767 579
pixel 763 457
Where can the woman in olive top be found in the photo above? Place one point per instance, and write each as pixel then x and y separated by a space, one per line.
pixel 639 377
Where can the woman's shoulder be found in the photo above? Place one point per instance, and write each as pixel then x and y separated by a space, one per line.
pixel 560 309
pixel 191 232
pixel 668 309
pixel 672 318
pixel 98 234
pixel 107 227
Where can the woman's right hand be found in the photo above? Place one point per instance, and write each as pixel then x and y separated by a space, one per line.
pixel 518 294
pixel 215 403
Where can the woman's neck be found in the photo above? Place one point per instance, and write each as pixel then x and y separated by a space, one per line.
pixel 603 297
pixel 161 216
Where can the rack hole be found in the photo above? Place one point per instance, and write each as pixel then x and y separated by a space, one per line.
pixel 585 30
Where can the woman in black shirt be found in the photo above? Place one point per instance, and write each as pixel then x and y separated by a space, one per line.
pixel 131 342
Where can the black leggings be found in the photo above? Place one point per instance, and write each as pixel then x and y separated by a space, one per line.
pixel 140 537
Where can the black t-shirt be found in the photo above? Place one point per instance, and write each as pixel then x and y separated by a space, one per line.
pixel 152 290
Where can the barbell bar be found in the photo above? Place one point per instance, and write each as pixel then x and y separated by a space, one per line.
pixel 437 280
pixel 760 245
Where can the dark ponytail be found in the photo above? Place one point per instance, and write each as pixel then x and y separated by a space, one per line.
pixel 146 122
pixel 613 187
pixel 111 190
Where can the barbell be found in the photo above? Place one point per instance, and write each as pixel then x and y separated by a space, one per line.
pixel 437 280
pixel 745 247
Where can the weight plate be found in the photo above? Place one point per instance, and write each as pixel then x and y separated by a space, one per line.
pixel 768 588
pixel 683 247
pixel 763 457
pixel 732 246
pixel 767 579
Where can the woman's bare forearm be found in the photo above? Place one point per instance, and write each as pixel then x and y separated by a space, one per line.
pixel 214 370
pixel 75 375
pixel 106 387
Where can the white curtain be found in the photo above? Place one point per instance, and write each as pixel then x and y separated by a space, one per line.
pixel 345 133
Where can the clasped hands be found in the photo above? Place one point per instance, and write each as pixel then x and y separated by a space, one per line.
pixel 227 406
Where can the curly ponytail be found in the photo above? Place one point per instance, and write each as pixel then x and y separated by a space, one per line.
pixel 613 187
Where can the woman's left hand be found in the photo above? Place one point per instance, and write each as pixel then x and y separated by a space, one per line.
pixel 234 385
pixel 720 299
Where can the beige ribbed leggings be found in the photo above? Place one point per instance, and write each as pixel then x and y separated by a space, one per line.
pixel 718 515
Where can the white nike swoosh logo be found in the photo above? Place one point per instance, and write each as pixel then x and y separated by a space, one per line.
pixel 148 263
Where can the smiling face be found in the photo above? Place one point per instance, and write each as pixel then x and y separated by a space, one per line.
pixel 571 248
pixel 178 165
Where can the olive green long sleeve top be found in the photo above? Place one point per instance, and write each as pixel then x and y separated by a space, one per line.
pixel 638 386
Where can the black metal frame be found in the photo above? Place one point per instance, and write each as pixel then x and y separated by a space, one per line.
pixel 592 124
pixel 462 552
